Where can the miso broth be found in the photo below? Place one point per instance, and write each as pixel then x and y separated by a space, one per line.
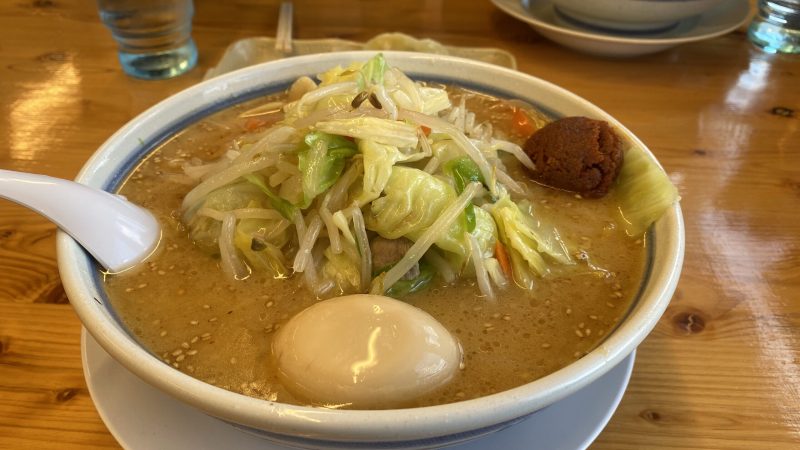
pixel 183 309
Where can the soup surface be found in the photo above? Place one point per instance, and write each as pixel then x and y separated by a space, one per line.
pixel 182 307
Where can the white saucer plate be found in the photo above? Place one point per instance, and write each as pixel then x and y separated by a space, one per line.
pixel 542 16
pixel 140 416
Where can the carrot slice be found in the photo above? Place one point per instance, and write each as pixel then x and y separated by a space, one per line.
pixel 425 130
pixel 521 123
pixel 502 258
pixel 254 124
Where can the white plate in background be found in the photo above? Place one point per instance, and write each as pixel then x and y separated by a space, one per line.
pixel 542 16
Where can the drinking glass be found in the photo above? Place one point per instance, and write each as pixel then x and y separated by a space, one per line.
pixel 153 36
pixel 776 27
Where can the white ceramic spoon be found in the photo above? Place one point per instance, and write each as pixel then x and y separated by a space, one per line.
pixel 116 232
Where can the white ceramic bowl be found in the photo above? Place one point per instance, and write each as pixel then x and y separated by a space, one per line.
pixel 322 428
pixel 633 15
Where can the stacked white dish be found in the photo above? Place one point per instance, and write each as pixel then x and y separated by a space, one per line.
pixel 624 28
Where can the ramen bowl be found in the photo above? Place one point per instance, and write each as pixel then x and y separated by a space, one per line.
pixel 312 427
pixel 633 15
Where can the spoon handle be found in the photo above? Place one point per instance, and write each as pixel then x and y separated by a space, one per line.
pixel 116 232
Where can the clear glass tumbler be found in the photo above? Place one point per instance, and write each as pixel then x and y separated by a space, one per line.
pixel 154 37
pixel 776 27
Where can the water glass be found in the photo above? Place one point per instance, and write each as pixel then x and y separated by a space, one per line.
pixel 153 36
pixel 776 27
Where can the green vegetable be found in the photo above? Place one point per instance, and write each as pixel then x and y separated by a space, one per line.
pixel 261 251
pixel 343 268
pixel 464 171
pixel 526 237
pixel 372 72
pixel 321 163
pixel 434 100
pixel 643 191
pixel 378 162
pixel 341 74
pixel 413 200
pixel 286 209
pixel 404 287
pixel 444 148
pixel 204 231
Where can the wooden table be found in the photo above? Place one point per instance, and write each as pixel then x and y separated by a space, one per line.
pixel 721 370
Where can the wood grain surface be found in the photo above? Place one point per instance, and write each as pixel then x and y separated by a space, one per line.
pixel 722 368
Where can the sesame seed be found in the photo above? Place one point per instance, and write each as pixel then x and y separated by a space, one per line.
pixel 176 365
pixel 190 368
pixel 578 333
pixel 206 307
pixel 142 286
pixel 213 319
pixel 506 317
pixel 161 272
pixel 609 304
pixel 163 333
pixel 177 352
pixel 269 304
pixel 588 331
pixel 205 335
pixel 618 294
pixel 593 317
pixel 181 291
pixel 194 339
pixel 580 325
pixel 487 325
pixel 128 289
pixel 180 358
pixel 577 354
pixel 193 322
pixel 233 361
pixel 191 352
pixel 545 345
pixel 569 311
pixel 185 345
pixel 496 316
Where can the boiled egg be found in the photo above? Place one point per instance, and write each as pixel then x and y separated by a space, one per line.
pixel 364 352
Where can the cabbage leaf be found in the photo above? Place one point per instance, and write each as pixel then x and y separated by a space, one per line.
pixel 643 191
pixel 321 162
pixel 204 231
pixel 378 162
pixel 343 269
pixel 529 238
pixel 260 247
pixel 413 200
